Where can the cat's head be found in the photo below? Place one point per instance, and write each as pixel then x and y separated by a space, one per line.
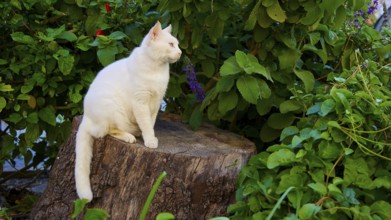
pixel 161 45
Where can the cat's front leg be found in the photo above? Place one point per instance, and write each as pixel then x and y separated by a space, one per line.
pixel 142 113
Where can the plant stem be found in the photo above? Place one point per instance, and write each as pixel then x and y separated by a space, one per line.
pixel 151 195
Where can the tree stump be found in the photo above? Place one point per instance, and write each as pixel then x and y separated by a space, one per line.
pixel 201 167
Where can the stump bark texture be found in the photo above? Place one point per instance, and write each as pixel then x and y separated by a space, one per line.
pixel 201 167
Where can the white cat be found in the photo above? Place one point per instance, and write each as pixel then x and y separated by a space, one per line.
pixel 124 99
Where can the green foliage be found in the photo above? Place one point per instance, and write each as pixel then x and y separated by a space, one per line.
pixel 336 155
pixel 49 56
pixel 90 214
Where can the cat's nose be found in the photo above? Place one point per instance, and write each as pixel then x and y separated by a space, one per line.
pixel 179 52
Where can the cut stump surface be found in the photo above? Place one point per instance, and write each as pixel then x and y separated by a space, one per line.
pixel 201 167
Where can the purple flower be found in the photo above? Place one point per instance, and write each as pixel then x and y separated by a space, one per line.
pixel 372 8
pixel 195 86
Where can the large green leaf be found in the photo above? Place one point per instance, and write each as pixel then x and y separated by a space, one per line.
pixel 22 38
pixel 48 115
pixel 117 35
pixel 280 158
pixel 225 84
pixel 308 211
pixel 230 67
pixel 227 101
pixel 264 89
pixel 276 13
pixel 252 18
pixel 307 77
pixel 96 214
pixel 107 54
pixel 248 88
pixel 280 121
pixel 65 61
pixel 290 106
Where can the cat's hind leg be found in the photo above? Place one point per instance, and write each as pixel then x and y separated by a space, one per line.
pixel 120 128
pixel 122 135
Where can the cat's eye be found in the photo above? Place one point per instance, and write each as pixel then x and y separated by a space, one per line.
pixel 171 44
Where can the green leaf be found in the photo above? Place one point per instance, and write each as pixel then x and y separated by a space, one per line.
pixel 16 4
pixel 266 92
pixel 14 117
pixel 3 61
pixel 268 134
pixel 32 133
pixel 96 214
pixel 195 120
pixel 358 4
pixel 3 103
pixel 230 67
pixel 225 84
pixel 264 106
pixel 259 69
pixel 117 35
pixel 280 158
pixel 5 88
pixel 55 32
pixel 219 218
pixel 288 131
pixel 327 106
pixel 227 101
pixel 307 77
pixel 276 13
pixel 79 205
pixel 32 118
pixel 290 106
pixel 333 124
pixel 382 208
pixel 290 180
pixel 208 67
pixel 252 18
pixel 263 19
pixel 329 150
pixel 319 188
pixel 280 121
pixel 107 54
pixel 242 59
pixel 47 115
pixel 296 140
pixel 288 58
pixel 165 216
pixel 22 38
pixel 65 61
pixel 68 36
pixel 308 211
pixel 27 87
pixel 248 88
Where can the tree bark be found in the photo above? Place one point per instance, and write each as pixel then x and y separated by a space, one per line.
pixel 201 167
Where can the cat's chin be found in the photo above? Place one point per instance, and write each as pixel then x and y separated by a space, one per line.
pixel 173 60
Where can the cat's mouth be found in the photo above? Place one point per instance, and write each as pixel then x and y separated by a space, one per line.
pixel 173 60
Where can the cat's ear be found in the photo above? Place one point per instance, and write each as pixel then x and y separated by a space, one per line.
pixel 155 30
pixel 168 29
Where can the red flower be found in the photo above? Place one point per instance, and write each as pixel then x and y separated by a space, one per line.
pixel 108 8
pixel 99 32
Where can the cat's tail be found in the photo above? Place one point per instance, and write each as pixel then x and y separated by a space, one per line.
pixel 84 142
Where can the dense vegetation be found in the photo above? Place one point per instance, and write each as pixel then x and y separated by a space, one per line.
pixel 307 80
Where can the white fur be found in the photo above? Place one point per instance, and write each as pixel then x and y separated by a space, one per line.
pixel 124 99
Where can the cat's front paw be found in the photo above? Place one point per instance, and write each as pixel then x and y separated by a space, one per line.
pixel 151 142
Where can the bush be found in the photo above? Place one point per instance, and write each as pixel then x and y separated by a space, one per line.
pixel 50 55
pixel 308 81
